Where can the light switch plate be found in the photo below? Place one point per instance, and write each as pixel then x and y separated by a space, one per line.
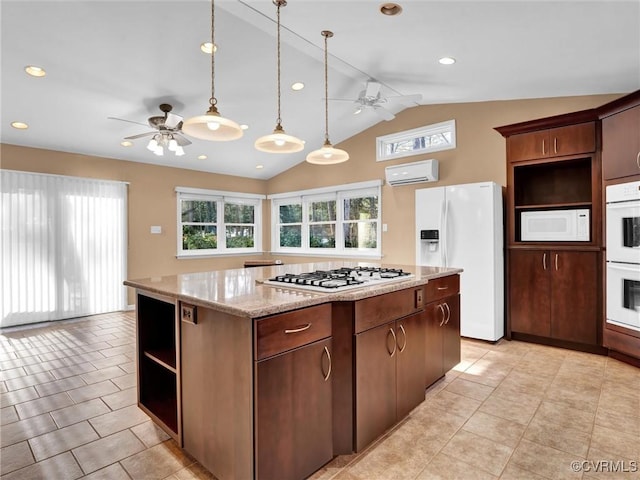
pixel 156 229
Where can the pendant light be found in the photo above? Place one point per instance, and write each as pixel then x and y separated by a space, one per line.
pixel 279 141
pixel 327 154
pixel 212 126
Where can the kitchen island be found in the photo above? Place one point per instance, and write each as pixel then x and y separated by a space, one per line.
pixel 270 382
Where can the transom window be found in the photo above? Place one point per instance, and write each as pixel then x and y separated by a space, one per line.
pixel 431 138
pixel 328 221
pixel 213 222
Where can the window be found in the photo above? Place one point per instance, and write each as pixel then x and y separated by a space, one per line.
pixel 431 138
pixel 212 222
pixel 341 220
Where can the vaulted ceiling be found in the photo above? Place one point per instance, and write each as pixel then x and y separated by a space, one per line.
pixel 109 58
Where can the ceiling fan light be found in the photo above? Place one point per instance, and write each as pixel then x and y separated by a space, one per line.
pixel 152 145
pixel 179 151
pixel 159 151
pixel 357 111
pixel 327 155
pixel 173 145
pixel 279 142
pixel 198 127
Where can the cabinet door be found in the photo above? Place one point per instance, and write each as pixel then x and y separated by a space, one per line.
pixel 527 146
pixel 529 292
pixel 621 144
pixel 451 333
pixel 293 413
pixel 375 390
pixel 410 365
pixel 572 139
pixel 574 287
pixel 435 316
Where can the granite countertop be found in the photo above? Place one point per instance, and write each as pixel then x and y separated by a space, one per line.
pixel 240 291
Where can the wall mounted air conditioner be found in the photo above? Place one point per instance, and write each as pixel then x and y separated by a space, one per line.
pixel 416 172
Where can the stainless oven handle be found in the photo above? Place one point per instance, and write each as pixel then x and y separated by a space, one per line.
pixel 622 266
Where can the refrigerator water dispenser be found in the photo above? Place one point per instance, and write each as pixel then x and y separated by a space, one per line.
pixel 431 238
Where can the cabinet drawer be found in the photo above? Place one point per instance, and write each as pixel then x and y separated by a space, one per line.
pixel 279 333
pixel 374 311
pixel 442 287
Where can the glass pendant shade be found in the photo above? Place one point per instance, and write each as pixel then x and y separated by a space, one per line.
pixel 279 142
pixel 327 155
pixel 212 126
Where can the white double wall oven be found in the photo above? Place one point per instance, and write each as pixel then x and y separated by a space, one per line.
pixel 623 255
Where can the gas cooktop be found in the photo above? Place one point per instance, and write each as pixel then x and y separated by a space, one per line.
pixel 345 278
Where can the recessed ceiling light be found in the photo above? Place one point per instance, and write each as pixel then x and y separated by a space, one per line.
pixel 447 60
pixel 206 47
pixel 244 127
pixel 390 9
pixel 202 157
pixel 126 143
pixel 297 86
pixel 19 125
pixel 35 71
pixel 259 166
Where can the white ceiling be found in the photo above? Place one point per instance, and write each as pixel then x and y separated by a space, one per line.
pixel 108 58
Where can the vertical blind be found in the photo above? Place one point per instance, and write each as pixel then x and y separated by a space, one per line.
pixel 64 245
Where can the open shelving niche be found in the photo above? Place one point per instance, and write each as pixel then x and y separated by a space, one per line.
pixel 158 361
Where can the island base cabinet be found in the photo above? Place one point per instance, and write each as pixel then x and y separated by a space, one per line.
pixel 217 372
pixel 442 337
pixel 293 411
pixel 389 363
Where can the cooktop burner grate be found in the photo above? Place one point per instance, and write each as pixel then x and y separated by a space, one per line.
pixel 341 278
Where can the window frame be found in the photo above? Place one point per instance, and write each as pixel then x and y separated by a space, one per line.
pixel 220 197
pixel 338 194
pixel 426 131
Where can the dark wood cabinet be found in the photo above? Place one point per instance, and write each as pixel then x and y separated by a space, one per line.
pixel 555 286
pixel 551 294
pixel 442 337
pixel 158 361
pixel 410 366
pixel 293 413
pixel 389 375
pixel 293 393
pixel 553 142
pixel 621 144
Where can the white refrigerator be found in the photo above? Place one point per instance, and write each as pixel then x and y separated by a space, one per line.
pixel 461 226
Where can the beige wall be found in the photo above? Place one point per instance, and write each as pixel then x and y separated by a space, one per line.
pixel 479 156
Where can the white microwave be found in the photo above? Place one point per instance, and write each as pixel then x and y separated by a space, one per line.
pixel 555 225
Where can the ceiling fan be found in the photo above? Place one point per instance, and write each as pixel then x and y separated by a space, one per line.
pixel 371 98
pixel 167 132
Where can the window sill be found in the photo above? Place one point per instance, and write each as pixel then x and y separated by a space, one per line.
pixel 214 255
pixel 306 253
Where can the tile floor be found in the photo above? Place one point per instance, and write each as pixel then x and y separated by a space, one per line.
pixel 511 410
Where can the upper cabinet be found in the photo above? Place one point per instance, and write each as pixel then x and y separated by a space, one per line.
pixel 552 142
pixel 621 139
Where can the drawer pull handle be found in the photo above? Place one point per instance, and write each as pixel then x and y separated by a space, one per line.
pixel 298 329
pixel 326 377
pixel 443 314
pixel 556 262
pixel 555 145
pixel 443 288
pixel 544 261
pixel 395 342
pixel 448 313
pixel 404 334
pixel 638 160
